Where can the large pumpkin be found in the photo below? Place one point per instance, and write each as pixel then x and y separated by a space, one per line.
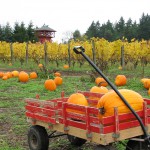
pixel 120 80
pixel 100 81
pixel 96 89
pixel 78 99
pixel 148 91
pixel 33 75
pixel 111 100
pixel 50 85
pixel 23 76
pixel 15 73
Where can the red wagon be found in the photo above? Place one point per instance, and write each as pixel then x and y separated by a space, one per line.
pixel 80 127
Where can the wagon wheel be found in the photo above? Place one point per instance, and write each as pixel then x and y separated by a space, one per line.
pixel 136 145
pixel 38 138
pixel 76 141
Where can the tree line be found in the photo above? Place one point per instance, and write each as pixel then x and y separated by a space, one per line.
pixel 109 31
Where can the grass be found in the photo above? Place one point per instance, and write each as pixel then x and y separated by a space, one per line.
pixel 13 125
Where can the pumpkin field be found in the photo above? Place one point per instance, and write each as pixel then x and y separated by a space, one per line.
pixel 31 81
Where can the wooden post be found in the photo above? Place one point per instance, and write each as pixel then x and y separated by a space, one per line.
pixel 122 56
pixel 69 59
pixel 27 53
pixel 45 52
pixel 93 51
pixel 11 52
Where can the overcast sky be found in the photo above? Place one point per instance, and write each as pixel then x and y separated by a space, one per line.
pixel 69 15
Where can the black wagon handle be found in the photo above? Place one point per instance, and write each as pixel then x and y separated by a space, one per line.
pixel 81 50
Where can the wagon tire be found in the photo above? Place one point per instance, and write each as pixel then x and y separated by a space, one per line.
pixel 38 138
pixel 76 141
pixel 136 145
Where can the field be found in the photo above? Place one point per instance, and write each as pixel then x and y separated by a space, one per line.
pixel 13 125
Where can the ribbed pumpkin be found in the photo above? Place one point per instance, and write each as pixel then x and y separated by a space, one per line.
pixel 146 83
pixel 111 100
pixel 57 74
pixel 33 75
pixel 50 85
pixel 23 76
pixel 4 77
pixel 15 73
pixel 78 99
pixel 1 74
pixel 58 80
pixel 120 80
pixel 96 89
pixel 66 66
pixel 100 81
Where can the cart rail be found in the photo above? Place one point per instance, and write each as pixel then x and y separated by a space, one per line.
pixel 54 115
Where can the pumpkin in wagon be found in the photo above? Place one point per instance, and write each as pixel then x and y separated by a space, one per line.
pixel 110 100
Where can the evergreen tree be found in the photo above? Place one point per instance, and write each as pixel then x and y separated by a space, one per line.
pixel 1 33
pixel 77 35
pixel 8 33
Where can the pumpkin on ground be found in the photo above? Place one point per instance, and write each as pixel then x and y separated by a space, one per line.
pixel 100 81
pixel 33 75
pixel 96 89
pixel 58 80
pixel 23 77
pixel 50 85
pixel 5 77
pixel 146 83
pixel 120 80
pixel 15 73
pixel 66 66
pixel 111 100
pixel 57 74
pixel 1 74
pixel 78 99
pixel 148 91
pixel 40 65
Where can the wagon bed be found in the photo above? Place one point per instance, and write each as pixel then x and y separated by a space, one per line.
pixel 53 115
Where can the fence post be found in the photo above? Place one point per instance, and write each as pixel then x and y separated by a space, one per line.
pixel 122 56
pixel 11 52
pixel 93 51
pixel 27 53
pixel 69 60
pixel 45 53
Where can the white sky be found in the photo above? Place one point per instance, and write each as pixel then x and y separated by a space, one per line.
pixel 69 15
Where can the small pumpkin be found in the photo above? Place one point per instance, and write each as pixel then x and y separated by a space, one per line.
pixel 57 74
pixel 120 80
pixel 15 73
pixel 58 80
pixel 40 65
pixel 110 100
pixel 148 91
pixel 50 85
pixel 100 81
pixel 1 74
pixel 78 99
pixel 66 66
pixel 33 75
pixel 9 74
pixel 146 83
pixel 23 76
pixel 4 77
pixel 96 89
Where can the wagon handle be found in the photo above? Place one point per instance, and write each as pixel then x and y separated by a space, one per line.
pixel 81 50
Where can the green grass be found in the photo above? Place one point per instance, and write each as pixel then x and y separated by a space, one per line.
pixel 13 125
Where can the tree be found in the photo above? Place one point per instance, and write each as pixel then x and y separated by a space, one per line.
pixel 77 35
pixel 144 27
pixel 8 33
pixel 1 33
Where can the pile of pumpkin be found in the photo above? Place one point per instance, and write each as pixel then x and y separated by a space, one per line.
pixel 22 75
pixel 109 98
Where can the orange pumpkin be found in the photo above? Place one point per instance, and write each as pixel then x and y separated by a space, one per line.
pixel 23 76
pixel 146 83
pixel 15 73
pixel 57 74
pixel 78 99
pixel 96 89
pixel 40 65
pixel 50 85
pixel 148 91
pixel 66 66
pixel 33 75
pixel 58 80
pixel 5 77
pixel 120 80
pixel 100 81
pixel 1 74
pixel 111 100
